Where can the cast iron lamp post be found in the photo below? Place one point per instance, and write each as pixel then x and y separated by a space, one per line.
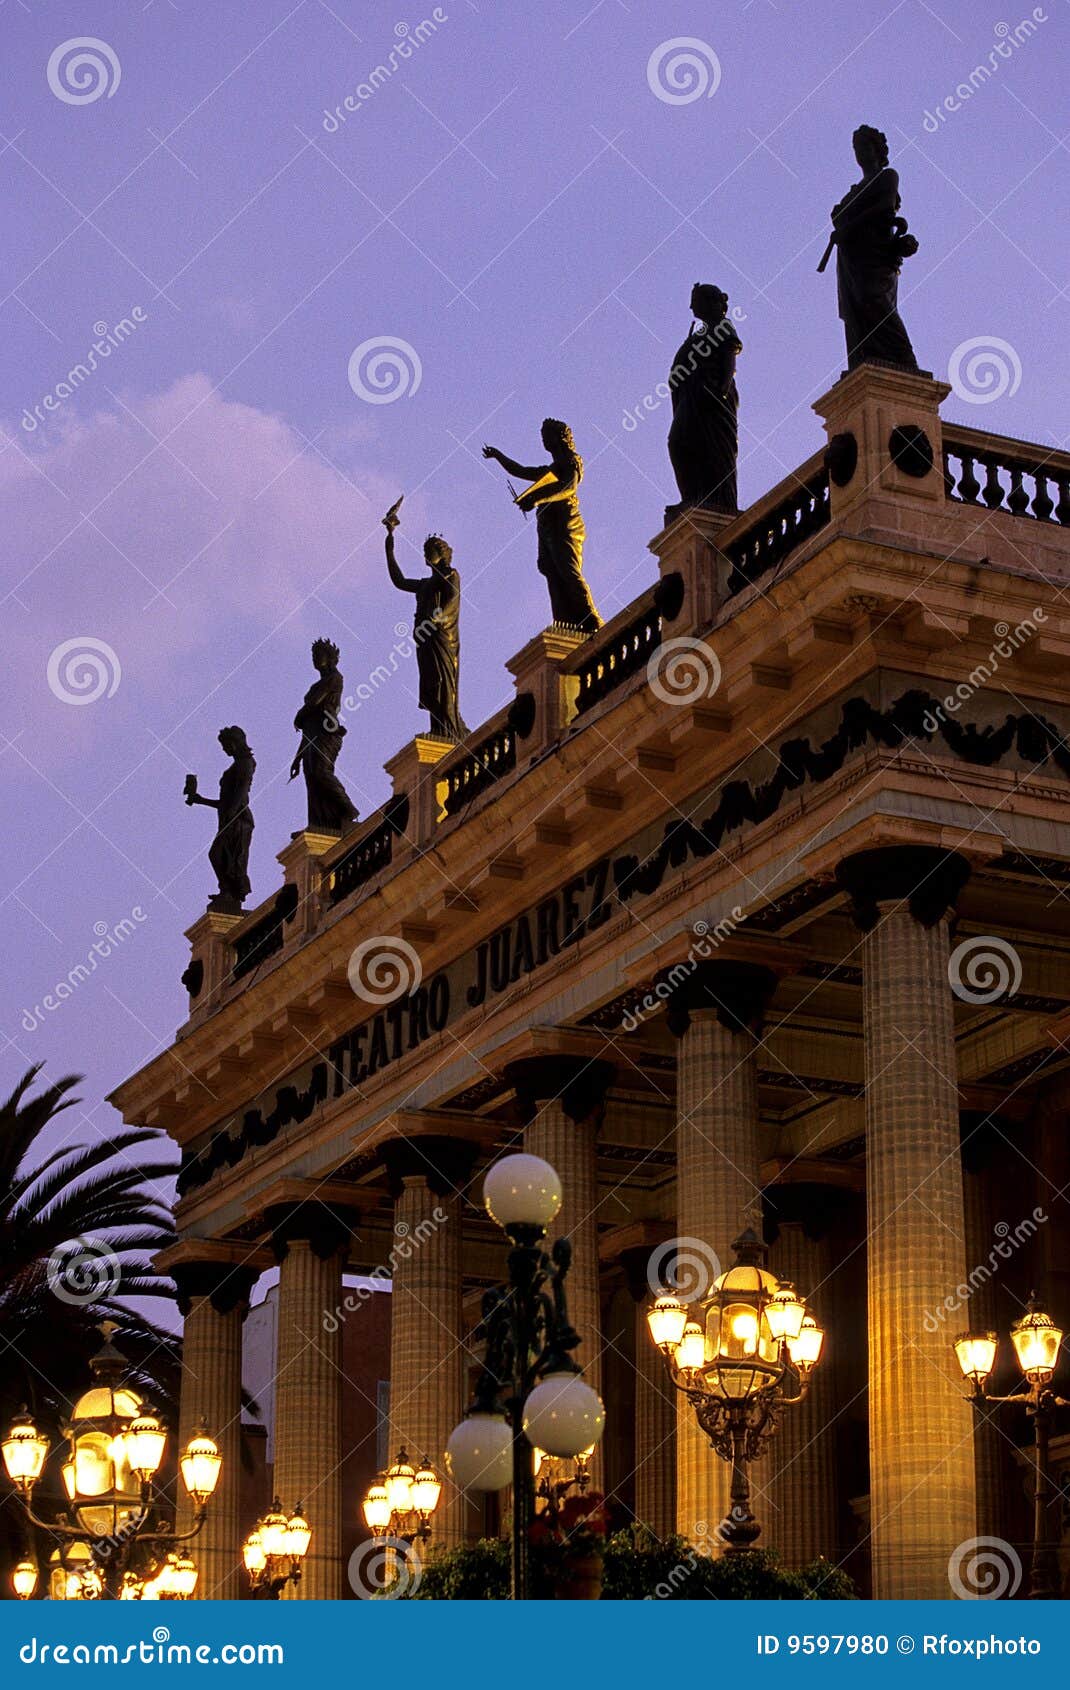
pixel 1037 1342
pixel 739 1355
pixel 530 1392
pixel 116 1447
pixel 402 1500
pixel 274 1550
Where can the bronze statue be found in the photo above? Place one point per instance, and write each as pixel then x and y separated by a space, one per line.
pixel 871 241
pixel 561 531
pixel 330 809
pixel 704 437
pixel 229 851
pixel 436 627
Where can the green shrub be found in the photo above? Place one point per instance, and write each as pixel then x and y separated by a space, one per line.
pixel 638 1567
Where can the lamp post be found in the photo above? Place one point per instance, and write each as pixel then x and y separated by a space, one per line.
pixel 274 1550
pixel 739 1355
pixel 1037 1342
pixel 402 1500
pixel 115 1450
pixel 530 1392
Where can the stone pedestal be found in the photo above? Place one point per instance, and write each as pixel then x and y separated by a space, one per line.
pixel 211 959
pixel 538 670
pixel 715 1016
pixel 922 1483
pixel 308 1402
pixel 300 861
pixel 427 1358
pixel 412 771
pixel 885 453
pixel 688 547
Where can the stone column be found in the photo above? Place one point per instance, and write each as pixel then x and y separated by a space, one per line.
pixel 804 1518
pixel 213 1298
pixel 980 1143
pixel 715 1015
pixel 655 1412
pixel 310 1242
pixel 427 1354
pixel 922 1486
pixel 563 1100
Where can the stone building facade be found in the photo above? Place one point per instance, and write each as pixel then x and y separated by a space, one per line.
pixel 708 917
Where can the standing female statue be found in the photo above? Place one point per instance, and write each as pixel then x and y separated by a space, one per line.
pixel 330 809
pixel 229 850
pixel 704 437
pixel 561 531
pixel 436 627
pixel 871 241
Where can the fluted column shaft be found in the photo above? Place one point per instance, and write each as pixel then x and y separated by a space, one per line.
pixel 426 1349
pixel 922 1485
pixel 308 1410
pixel 655 1434
pixel 717 1183
pixel 211 1390
pixel 804 1518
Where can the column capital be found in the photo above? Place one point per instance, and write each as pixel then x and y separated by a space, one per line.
pixel 737 992
pixel 924 877
pixel 579 1083
pixel 223 1273
pixel 445 1162
pixel 325 1227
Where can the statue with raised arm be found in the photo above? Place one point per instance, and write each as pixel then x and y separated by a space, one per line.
pixel 553 495
pixel 704 437
pixel 871 241
pixel 229 850
pixel 436 627
pixel 330 809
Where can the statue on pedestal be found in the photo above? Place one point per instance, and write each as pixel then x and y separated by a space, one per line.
pixel 229 850
pixel 330 809
pixel 436 627
pixel 704 437
pixel 553 495
pixel 871 242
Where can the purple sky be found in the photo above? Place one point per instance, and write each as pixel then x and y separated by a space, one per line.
pixel 518 205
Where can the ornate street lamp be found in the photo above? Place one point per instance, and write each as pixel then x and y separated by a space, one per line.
pixel 530 1392
pixel 402 1500
pixel 739 1355
pixel 115 1449
pixel 274 1550
pixel 24 1579
pixel 1037 1342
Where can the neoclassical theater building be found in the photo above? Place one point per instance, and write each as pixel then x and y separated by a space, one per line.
pixel 753 908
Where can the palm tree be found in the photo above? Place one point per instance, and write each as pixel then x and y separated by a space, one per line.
pixel 77 1232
